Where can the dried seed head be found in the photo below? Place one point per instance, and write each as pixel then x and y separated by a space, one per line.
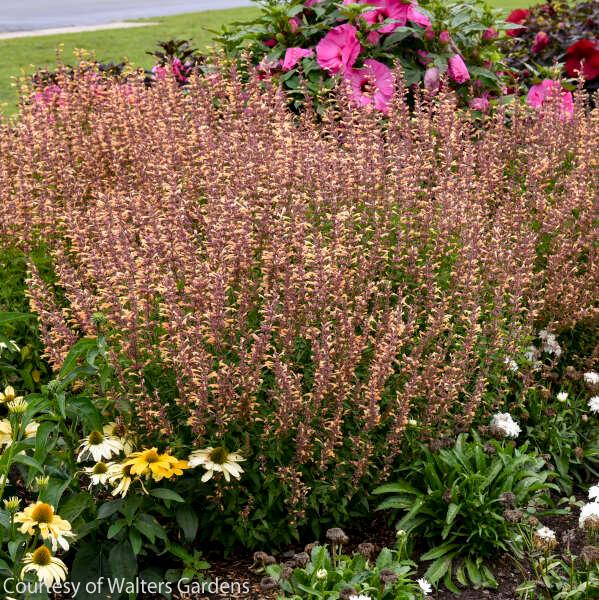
pixel 513 515
pixel 388 576
pixel 590 555
pixel 268 583
pixel 336 536
pixel 508 499
pixel 366 549
pixel 301 559
pixel 260 557
pixel 347 593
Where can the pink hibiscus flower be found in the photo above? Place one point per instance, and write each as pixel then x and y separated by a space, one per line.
pixel 457 69
pixel 338 50
pixel 538 94
pixel 372 85
pixel 480 103
pixel 293 56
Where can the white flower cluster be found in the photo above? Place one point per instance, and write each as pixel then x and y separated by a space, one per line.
pixel 589 516
pixel 504 424
pixel 425 587
pixel 594 404
pixel 545 533
pixel 591 378
pixel 562 396
pixel 550 344
pixel 511 364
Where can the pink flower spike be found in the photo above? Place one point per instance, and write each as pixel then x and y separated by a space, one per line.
pixel 457 69
pixel 372 85
pixel 339 49
pixel 293 56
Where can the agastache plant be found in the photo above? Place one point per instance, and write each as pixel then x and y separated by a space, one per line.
pixel 310 284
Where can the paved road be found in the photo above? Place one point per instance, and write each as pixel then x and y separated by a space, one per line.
pixel 24 15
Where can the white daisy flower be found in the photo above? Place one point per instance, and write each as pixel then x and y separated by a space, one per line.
pixel 425 586
pixel 511 364
pixel 505 425
pixel 594 492
pixel 594 404
pixel 98 474
pixel 217 460
pixel 99 446
pixel 48 568
pixel 562 396
pixel 321 574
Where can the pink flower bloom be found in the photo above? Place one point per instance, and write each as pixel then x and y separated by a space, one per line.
pixel 480 103
pixel 490 33
pixel 423 57
pixel 444 37
pixel 538 94
pixel 338 49
pixel 541 41
pixel 309 3
pixel 456 67
pixel 159 72
pixel 270 43
pixel 395 10
pixel 419 18
pixel 432 80
pixel 293 56
pixel 372 85
pixel 294 24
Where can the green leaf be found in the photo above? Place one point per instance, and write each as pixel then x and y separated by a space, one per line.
pixel 135 540
pixel 24 459
pixel 438 569
pixel 188 520
pixel 109 508
pixel 452 513
pixel 166 494
pixel 115 528
pixel 10 317
pixel 122 561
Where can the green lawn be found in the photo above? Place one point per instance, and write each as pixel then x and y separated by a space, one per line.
pixel 24 54
pixel 20 54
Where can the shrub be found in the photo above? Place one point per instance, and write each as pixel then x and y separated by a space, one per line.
pixel 457 500
pixel 295 42
pixel 553 32
pixel 296 291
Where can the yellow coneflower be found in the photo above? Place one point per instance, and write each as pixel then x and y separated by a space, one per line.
pixel 41 516
pixel 98 474
pixel 48 568
pixel 159 466
pixel 12 504
pixel 99 446
pixel 17 406
pixel 217 460
pixel 9 394
pixel 119 476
